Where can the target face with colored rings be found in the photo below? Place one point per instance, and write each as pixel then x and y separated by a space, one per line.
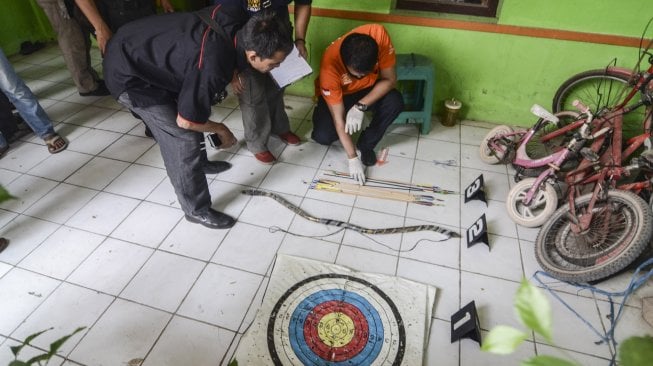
pixel 335 320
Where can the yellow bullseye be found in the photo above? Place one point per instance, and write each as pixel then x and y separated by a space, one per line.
pixel 336 329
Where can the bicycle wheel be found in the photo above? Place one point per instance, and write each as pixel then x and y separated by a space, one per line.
pixel 491 156
pixel 600 89
pixel 619 232
pixel 542 205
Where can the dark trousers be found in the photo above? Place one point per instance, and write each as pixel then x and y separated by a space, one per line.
pixel 7 120
pixel 180 149
pixel 384 111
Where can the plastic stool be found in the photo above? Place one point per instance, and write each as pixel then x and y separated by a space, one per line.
pixel 415 81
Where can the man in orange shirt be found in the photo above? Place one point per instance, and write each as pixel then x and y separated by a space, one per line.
pixel 357 74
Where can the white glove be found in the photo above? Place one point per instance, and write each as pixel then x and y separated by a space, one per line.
pixel 354 120
pixel 356 170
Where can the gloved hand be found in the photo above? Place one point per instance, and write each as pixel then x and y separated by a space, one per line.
pixel 354 120
pixel 357 170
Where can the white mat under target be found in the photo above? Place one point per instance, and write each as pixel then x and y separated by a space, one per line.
pixel 316 313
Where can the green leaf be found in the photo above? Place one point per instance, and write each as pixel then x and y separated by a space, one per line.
pixel 4 195
pixel 18 363
pixel 39 358
pixel 545 360
pixel 54 346
pixel 533 309
pixel 16 349
pixel 503 340
pixel 636 351
pixel 233 363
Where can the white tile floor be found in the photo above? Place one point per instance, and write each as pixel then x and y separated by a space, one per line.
pixel 98 239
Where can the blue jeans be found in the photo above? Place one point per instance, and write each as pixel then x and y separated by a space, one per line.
pixel 22 98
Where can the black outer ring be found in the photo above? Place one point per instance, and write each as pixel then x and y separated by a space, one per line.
pixel 273 316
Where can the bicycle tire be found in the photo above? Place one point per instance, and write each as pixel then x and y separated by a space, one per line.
pixel 542 206
pixel 488 155
pixel 599 90
pixel 602 250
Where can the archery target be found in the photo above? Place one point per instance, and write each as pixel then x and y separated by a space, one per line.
pixel 336 320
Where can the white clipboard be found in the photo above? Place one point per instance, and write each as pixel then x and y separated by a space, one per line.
pixel 293 68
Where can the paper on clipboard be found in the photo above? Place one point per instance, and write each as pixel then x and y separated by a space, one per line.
pixel 293 68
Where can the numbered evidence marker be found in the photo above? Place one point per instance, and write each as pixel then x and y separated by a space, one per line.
pixel 465 324
pixel 477 233
pixel 475 191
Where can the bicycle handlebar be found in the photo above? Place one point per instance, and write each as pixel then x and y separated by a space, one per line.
pixel 585 110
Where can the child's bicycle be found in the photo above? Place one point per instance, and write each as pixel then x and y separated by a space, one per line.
pixel 533 200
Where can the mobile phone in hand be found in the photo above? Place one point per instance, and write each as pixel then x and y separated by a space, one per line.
pixel 214 140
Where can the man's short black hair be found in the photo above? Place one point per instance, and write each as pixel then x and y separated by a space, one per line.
pixel 360 52
pixel 266 33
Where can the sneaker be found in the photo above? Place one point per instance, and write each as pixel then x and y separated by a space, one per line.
pixel 212 219
pixel 290 138
pixel 265 157
pixel 100 91
pixel 368 157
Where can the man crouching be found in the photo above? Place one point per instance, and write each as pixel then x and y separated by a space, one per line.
pixel 168 69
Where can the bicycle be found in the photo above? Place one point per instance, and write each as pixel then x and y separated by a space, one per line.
pixel 532 213
pixel 599 233
pixel 533 200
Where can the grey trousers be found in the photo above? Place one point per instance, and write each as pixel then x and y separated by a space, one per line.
pixel 180 149
pixel 74 45
pixel 263 110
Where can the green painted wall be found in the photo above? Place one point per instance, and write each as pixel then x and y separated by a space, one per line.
pixel 20 21
pixel 497 77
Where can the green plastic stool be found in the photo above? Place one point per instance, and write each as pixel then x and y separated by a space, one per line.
pixel 415 81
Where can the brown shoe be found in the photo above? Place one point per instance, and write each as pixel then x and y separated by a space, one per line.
pixel 3 244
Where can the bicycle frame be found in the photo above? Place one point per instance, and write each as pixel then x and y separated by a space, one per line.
pixel 610 163
pixel 554 161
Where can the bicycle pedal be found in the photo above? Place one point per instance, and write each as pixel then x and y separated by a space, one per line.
pixel 588 154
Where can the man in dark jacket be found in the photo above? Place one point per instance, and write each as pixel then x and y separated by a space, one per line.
pixel 169 68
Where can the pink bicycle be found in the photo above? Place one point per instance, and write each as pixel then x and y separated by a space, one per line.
pixel 532 200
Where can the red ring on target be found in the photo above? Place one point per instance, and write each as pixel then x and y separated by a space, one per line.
pixel 325 351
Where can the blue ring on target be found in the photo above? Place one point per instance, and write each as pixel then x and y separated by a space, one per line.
pixel 395 319
pixel 306 355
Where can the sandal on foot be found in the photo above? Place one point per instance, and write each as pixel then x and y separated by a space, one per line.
pixel 55 143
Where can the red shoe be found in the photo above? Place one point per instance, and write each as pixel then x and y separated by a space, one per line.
pixel 290 138
pixel 265 157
